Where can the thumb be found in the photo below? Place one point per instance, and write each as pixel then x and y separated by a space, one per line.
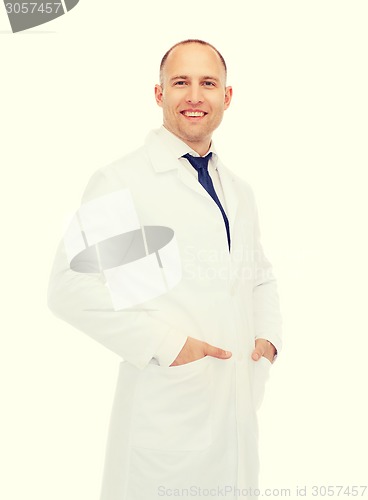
pixel 216 352
pixel 259 350
pixel 257 354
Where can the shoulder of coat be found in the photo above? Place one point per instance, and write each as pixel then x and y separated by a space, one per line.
pixel 131 163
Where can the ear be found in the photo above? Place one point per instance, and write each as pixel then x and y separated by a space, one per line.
pixel 228 97
pixel 159 95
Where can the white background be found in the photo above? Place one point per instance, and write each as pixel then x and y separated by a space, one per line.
pixel 76 94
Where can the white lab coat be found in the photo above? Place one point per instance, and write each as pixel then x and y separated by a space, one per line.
pixel 189 428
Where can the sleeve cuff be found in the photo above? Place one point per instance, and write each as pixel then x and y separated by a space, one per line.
pixel 275 341
pixel 170 348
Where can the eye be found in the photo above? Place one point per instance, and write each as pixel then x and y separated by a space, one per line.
pixel 180 83
pixel 208 83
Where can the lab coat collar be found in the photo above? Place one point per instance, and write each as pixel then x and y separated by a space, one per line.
pixel 165 149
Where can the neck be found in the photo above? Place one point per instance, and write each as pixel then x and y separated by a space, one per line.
pixel 201 147
pixel 202 150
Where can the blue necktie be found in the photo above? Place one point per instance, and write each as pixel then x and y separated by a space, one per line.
pixel 200 163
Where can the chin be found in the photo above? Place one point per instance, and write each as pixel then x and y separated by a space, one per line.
pixel 196 135
pixel 194 138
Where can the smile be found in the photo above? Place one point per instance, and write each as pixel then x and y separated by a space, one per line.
pixel 193 114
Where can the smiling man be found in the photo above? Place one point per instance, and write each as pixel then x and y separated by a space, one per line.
pixel 196 355
pixel 193 93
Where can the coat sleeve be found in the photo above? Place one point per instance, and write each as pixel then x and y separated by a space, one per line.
pixel 83 300
pixel 266 306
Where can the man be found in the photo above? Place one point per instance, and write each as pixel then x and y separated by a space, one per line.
pixel 196 355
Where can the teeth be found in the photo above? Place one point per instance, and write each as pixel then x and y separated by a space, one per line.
pixel 193 113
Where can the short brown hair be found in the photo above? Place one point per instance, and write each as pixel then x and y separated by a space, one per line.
pixel 185 42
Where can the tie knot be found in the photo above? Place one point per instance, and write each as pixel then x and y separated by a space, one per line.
pixel 198 162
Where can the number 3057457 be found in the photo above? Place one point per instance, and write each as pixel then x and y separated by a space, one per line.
pixel 33 8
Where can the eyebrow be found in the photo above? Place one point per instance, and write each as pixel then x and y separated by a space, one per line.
pixel 185 77
pixel 211 78
pixel 180 77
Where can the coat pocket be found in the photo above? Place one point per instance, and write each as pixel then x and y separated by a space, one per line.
pixel 173 407
pixel 261 373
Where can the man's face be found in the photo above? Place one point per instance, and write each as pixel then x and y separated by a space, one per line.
pixel 193 94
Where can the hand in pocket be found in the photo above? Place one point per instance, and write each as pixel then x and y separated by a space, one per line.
pixel 195 349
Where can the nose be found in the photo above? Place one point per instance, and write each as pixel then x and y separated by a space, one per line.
pixel 194 95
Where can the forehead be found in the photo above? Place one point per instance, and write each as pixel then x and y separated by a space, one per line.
pixel 194 60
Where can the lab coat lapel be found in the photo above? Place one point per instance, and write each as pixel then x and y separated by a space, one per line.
pixel 228 183
pixel 191 182
pixel 162 160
